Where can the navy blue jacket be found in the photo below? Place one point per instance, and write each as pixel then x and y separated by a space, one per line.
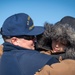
pixel 20 61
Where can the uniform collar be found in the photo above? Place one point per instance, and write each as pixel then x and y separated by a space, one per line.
pixel 8 47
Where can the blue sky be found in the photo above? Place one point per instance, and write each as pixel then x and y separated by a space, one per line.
pixel 41 11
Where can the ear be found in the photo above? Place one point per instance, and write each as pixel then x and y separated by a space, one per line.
pixel 14 40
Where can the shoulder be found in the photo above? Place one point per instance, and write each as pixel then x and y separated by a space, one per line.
pixel 65 67
pixel 1 50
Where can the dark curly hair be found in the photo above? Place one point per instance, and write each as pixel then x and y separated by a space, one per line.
pixel 43 41
pixel 63 31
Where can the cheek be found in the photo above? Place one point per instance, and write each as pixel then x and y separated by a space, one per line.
pixel 53 45
pixel 62 47
pixel 27 43
pixel 22 42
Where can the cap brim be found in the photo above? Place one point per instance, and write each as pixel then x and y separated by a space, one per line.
pixel 36 30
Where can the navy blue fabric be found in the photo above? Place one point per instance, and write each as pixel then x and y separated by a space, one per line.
pixel 9 66
pixel 20 24
pixel 20 61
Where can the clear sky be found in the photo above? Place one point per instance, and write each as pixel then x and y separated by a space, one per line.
pixel 41 11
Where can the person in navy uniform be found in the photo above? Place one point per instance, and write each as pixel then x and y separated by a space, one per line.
pixel 19 54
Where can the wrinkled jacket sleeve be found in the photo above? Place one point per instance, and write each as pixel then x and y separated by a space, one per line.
pixel 65 67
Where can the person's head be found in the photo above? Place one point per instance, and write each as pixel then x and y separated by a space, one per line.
pixel 54 38
pixel 19 30
pixel 68 24
pixel 59 37
pixel 65 30
pixel 49 42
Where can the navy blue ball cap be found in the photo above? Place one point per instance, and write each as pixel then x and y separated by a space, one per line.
pixel 20 24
